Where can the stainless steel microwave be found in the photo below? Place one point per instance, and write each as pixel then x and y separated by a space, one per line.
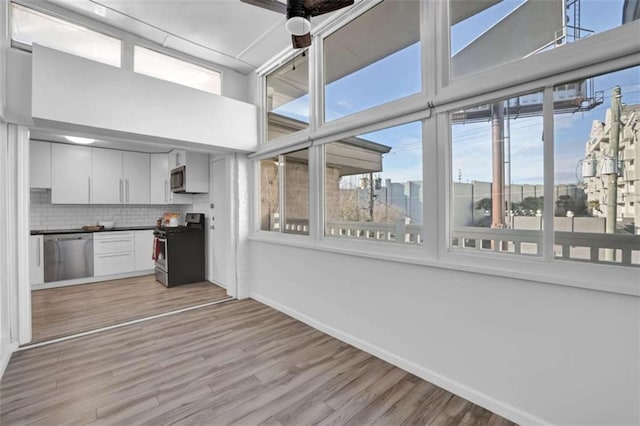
pixel 179 179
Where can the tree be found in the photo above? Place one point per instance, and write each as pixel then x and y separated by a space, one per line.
pixel 530 205
pixel 484 204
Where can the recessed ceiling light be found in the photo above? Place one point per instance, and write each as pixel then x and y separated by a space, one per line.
pixel 82 141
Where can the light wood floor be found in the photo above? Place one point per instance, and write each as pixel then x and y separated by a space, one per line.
pixel 238 362
pixel 62 311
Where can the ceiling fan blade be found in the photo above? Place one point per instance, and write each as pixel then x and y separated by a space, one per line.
pixel 301 41
pixel 320 7
pixel 272 5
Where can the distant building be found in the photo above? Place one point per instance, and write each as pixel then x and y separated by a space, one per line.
pixel 628 200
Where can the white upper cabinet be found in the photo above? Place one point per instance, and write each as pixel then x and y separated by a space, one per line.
pixel 159 173
pixel 177 158
pixel 160 188
pixel 84 175
pixel 40 167
pixel 108 184
pixel 70 174
pixel 136 177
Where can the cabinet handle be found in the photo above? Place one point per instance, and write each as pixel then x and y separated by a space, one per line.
pixel 121 191
pixel 127 186
pixel 114 255
pixel 89 192
pixel 40 242
pixel 128 240
pixel 166 191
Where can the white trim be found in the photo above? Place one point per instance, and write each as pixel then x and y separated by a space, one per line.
pixel 430 184
pixel 22 228
pixel 549 178
pixel 6 357
pixel 278 149
pixel 89 280
pixel 123 324
pixel 11 234
pixel 601 48
pixel 70 17
pixel 501 408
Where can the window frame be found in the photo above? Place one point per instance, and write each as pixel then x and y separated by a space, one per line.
pixel 598 54
pixel 174 55
pixel 263 127
pixel 127 40
pixel 70 18
pixel 256 184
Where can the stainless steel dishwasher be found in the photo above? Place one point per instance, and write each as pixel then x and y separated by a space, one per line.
pixel 68 256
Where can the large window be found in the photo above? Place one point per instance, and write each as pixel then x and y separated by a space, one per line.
pixel 485 34
pixel 497 176
pixel 373 185
pixel 288 98
pixel 597 204
pixel 520 172
pixel 366 67
pixel 29 26
pixel 284 187
pixel 164 67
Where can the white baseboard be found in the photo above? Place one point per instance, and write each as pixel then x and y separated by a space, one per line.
pixel 505 410
pixel 88 280
pixel 6 357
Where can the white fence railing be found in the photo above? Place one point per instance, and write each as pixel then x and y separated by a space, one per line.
pixel 519 241
pixel 599 248
pixel 582 246
pixel 399 231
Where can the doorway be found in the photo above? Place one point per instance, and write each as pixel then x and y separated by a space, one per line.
pixel 221 248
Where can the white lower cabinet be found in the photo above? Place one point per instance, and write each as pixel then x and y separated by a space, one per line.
pixel 144 250
pixel 36 259
pixel 113 253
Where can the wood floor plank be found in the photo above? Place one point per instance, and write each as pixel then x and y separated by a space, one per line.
pixel 239 362
pixel 61 311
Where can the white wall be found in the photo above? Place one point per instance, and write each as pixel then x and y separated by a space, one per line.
pixel 18 94
pixel 530 351
pixel 235 85
pixel 71 90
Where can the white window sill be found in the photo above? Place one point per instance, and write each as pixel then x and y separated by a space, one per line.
pixel 606 278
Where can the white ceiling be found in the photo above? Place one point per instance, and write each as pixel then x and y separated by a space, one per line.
pixel 227 32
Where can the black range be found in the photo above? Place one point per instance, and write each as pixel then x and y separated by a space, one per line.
pixel 179 252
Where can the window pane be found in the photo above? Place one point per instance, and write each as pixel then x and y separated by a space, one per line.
pixel 29 26
pixel 288 98
pixel 597 209
pixel 366 68
pixel 164 67
pixel 373 186
pixel 497 176
pixel 270 194
pixel 486 34
pixel 296 192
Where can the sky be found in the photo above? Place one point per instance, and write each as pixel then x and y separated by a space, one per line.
pixel 471 151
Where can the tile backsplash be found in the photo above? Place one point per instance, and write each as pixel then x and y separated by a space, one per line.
pixel 47 216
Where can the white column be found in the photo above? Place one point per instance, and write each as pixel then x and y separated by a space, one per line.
pixel 5 337
pixel 242 216
pixel 21 141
